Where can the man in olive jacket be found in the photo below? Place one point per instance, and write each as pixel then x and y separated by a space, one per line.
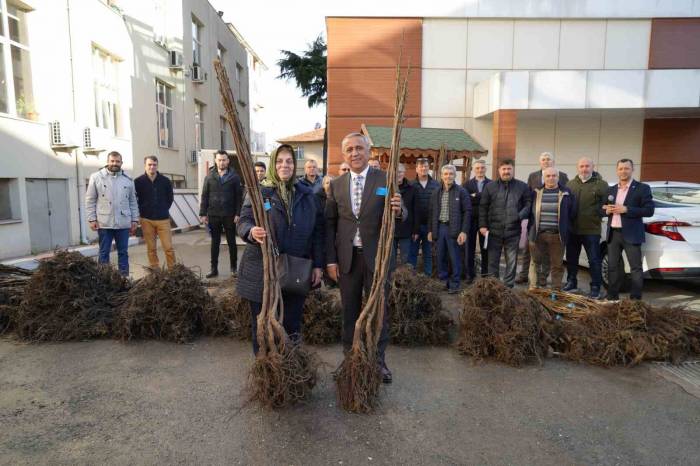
pixel 220 208
pixel 505 203
pixel 590 191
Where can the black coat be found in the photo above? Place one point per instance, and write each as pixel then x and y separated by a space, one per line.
pixel 303 238
pixel 503 206
pixel 221 199
pixel 422 204
pixel 472 189
pixel 460 211
pixel 408 196
pixel 154 197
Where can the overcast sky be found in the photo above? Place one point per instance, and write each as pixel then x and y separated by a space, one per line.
pixel 269 26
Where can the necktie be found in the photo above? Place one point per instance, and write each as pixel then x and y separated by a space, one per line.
pixel 357 195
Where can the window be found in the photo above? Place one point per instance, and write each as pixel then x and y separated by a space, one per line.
pixel 16 99
pixel 164 110
pixel 239 80
pixel 159 23
pixel 9 199
pixel 198 125
pixel 220 51
pixel 299 151
pixel 223 131
pixel 105 79
pixel 196 42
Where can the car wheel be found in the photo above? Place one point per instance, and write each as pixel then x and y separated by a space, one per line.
pixel 605 272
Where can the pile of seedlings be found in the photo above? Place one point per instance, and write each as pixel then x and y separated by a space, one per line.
pixel 629 332
pixel 69 297
pixel 228 315
pixel 283 372
pixel 13 281
pixel 503 324
pixel 415 310
pixel 165 305
pixel 323 322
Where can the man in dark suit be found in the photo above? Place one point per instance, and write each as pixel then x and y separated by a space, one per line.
pixel 629 201
pixel 354 212
pixel 475 187
pixel 536 181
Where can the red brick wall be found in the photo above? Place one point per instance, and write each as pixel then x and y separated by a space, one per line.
pixel 505 124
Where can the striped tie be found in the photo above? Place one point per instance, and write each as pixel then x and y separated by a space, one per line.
pixel 357 195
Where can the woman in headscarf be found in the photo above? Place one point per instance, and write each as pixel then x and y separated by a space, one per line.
pixel 297 223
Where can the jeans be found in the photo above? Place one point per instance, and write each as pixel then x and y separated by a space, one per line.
pixel 448 249
pixel 591 243
pixel 227 224
pixel 548 251
pixel 471 251
pixel 509 246
pixel 293 311
pixel 616 270
pixel 403 245
pixel 121 237
pixel 161 229
pixel 427 249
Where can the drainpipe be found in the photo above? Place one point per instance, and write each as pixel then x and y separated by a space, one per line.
pixel 80 187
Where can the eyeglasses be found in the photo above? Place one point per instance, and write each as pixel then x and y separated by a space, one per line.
pixel 344 169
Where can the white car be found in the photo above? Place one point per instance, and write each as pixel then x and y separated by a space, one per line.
pixel 672 240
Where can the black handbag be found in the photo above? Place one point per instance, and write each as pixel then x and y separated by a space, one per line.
pixel 294 274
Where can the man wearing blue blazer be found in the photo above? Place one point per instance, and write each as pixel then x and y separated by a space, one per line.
pixel 629 201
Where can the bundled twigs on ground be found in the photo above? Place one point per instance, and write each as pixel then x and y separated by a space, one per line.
pixel 500 323
pixel 322 318
pixel 69 297
pixel 415 308
pixel 629 332
pixel 13 280
pixel 567 305
pixel 229 315
pixel 359 377
pixel 165 305
pixel 283 372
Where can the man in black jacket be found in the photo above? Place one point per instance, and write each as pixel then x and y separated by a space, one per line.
pixel 505 203
pixel 154 193
pixel 536 181
pixel 450 215
pixel 424 186
pixel 404 230
pixel 475 188
pixel 220 207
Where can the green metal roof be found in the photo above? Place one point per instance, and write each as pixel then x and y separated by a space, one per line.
pixel 425 138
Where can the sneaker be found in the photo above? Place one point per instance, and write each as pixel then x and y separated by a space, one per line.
pixel 212 274
pixel 595 293
pixel 570 286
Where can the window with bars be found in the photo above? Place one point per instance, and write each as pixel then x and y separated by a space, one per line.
pixel 106 90
pixel 16 96
pixel 164 111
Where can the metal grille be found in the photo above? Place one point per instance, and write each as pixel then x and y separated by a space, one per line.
pixel 686 374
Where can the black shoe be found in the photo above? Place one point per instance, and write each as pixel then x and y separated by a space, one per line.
pixel 212 274
pixel 595 293
pixel 386 375
pixel 570 286
pixel 521 280
pixel 470 280
pixel 234 273
pixel 453 291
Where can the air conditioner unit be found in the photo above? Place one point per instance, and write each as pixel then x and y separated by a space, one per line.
pixel 60 137
pixel 198 74
pixel 194 157
pixel 174 60
pixel 92 141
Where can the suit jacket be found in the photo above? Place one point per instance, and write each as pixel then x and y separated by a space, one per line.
pixel 534 181
pixel 473 190
pixel 639 204
pixel 341 223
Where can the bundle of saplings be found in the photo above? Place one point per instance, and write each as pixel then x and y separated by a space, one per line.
pixel 165 305
pixel 228 315
pixel 500 323
pixel 415 310
pixel 629 332
pixel 13 280
pixel 322 318
pixel 69 297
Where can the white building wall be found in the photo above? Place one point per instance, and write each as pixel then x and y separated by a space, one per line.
pixel 459 53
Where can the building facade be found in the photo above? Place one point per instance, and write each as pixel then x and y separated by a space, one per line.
pixel 307 146
pixel 600 79
pixel 81 78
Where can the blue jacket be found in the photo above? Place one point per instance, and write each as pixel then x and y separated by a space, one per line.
pixel 422 201
pixel 303 238
pixel 473 190
pixel 639 204
pixel 460 210
pixel 154 197
pixel 316 186
pixel 567 213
